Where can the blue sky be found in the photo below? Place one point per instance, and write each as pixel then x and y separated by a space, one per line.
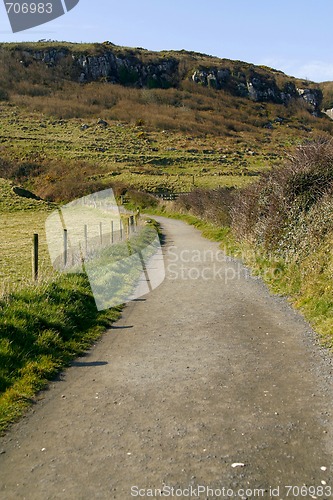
pixel 291 35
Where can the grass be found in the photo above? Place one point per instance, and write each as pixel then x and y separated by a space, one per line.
pixel 44 326
pixel 120 154
pixel 20 218
pixel 61 159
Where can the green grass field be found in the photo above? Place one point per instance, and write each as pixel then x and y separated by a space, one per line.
pixel 20 219
pixel 132 155
pixel 61 159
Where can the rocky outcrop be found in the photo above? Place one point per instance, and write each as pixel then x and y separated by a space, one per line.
pixel 155 70
pixel 110 67
pixel 115 69
pixel 311 96
pixel 256 86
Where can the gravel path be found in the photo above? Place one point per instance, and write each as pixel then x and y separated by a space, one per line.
pixel 207 371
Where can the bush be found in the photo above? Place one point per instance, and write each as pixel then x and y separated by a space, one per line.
pixel 288 200
pixel 210 205
pixel 141 199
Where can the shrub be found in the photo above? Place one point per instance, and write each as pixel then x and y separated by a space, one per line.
pixel 142 199
pixel 272 211
pixel 211 205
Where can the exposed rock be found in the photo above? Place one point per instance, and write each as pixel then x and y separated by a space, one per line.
pixel 127 71
pixel 142 69
pixel 311 96
pixel 216 78
pixel 102 123
pixel 255 86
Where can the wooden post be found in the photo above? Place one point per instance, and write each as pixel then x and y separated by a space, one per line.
pixel 127 228
pixel 100 233
pixel 86 239
pixel 121 230
pixel 112 235
pixel 65 247
pixel 35 257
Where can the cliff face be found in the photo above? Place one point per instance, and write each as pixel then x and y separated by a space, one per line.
pixel 258 87
pixel 145 69
pixel 111 67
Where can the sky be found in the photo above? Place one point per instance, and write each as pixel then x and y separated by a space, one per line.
pixel 294 36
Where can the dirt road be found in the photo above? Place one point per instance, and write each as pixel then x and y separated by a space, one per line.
pixel 205 372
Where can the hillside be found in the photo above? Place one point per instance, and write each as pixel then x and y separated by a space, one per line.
pixel 143 69
pixel 81 117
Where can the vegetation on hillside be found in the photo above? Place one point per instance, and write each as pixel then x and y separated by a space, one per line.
pixel 63 139
pixel 287 222
pixel 327 90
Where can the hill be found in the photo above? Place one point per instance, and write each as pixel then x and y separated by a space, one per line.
pixel 81 117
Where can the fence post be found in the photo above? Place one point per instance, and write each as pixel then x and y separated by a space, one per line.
pixel 86 239
pixel 100 233
pixel 121 229
pixel 35 257
pixel 65 247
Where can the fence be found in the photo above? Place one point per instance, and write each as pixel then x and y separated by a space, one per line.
pixel 72 255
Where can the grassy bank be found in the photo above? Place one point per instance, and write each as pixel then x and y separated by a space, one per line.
pixel 286 220
pixel 42 328
pixel 21 217
pixel 45 326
